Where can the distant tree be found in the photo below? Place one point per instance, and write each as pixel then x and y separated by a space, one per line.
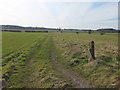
pixel 59 29
pixel 77 32
pixel 102 32
pixel 89 32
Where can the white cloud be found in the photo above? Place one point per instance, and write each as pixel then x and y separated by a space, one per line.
pixel 57 14
pixel 99 15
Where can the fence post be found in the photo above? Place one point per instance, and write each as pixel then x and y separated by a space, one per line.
pixel 91 50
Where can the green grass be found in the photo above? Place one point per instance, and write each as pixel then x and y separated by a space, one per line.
pixel 0 44
pixel 30 65
pixel 104 71
pixel 0 55
pixel 32 68
pixel 15 67
pixel 12 41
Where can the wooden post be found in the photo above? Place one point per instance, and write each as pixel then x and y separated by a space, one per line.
pixel 91 50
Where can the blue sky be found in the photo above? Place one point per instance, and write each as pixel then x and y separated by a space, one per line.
pixel 69 14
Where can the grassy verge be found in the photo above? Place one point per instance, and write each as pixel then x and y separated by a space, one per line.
pixel 102 72
pixel 14 65
pixel 13 41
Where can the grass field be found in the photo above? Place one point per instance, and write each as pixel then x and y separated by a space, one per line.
pixel 58 60
pixel 14 41
pixel 1 44
pixel 102 72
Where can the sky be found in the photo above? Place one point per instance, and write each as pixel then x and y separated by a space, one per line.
pixel 79 14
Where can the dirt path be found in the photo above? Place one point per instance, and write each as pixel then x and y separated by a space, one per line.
pixel 67 74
